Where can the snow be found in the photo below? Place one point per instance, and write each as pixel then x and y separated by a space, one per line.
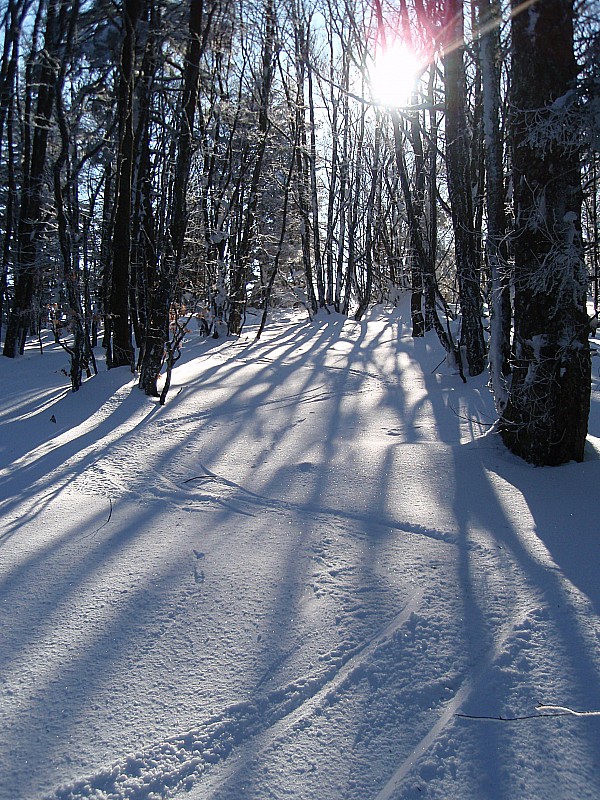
pixel 313 573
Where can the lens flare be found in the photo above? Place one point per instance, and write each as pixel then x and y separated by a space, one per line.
pixel 393 75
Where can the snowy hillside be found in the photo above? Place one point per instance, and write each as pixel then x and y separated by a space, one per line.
pixel 313 574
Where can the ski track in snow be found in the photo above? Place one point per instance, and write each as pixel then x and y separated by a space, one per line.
pixel 448 715
pixel 528 627
pixel 177 763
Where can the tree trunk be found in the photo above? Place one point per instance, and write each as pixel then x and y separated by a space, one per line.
pixel 545 419
pixel 157 333
pixel 8 74
pixel 429 278
pixel 314 189
pixel 489 16
pixel 416 241
pixel 240 275
pixel 30 214
pixel 418 269
pixel 146 261
pixel 459 189
pixel 302 165
pixel 344 191
pixel 355 192
pixel 365 299
pixel 120 353
pixel 80 352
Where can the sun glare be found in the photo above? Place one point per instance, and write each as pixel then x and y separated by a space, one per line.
pixel 393 75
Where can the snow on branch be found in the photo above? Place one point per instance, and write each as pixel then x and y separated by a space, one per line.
pixel 571 123
pixel 543 712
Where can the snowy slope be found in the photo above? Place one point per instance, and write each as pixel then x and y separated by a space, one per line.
pixel 291 580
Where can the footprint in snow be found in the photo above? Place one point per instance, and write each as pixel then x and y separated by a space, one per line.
pixel 199 576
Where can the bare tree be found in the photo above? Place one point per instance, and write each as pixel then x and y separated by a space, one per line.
pixel 241 270
pixel 489 22
pixel 164 276
pixel 459 189
pixel 120 347
pixel 41 73
pixel 67 208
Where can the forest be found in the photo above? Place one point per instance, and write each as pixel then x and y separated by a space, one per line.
pixel 300 419
pixel 162 161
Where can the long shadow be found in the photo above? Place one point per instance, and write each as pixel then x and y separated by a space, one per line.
pixel 79 671
pixel 36 470
pixel 241 450
pixel 33 420
pixel 478 507
pixel 236 410
pixel 42 475
pixel 301 489
pixel 365 518
pixel 471 494
pixel 565 517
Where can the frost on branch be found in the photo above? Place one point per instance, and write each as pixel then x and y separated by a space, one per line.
pixel 572 122
pixel 556 266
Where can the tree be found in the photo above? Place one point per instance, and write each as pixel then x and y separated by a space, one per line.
pixel 459 189
pixel 545 419
pixel 120 346
pixel 241 272
pixel 164 275
pixel 12 22
pixel 489 19
pixel 42 73
pixel 67 206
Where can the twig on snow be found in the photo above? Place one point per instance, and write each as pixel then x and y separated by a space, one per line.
pixel 544 711
pixel 567 711
pixel 105 523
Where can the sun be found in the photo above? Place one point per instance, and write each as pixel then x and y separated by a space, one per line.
pixel 393 75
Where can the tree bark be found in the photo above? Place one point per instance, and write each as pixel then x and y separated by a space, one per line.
pixel 30 213
pixel 239 278
pixel 416 240
pixel 302 159
pixel 489 17
pixel 546 416
pixel 157 333
pixel 120 352
pixel 65 197
pixel 459 189
pixel 14 15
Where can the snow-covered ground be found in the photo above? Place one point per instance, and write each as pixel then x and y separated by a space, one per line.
pixel 313 574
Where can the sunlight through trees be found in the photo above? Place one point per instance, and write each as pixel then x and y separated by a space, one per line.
pixel 161 160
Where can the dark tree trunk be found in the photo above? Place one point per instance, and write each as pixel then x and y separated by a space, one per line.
pixel 429 278
pixel 365 299
pixel 8 72
pixel 545 420
pixel 30 213
pixel 344 191
pixel 65 196
pixel 145 266
pixel 241 272
pixel 105 247
pixel 420 254
pixel 459 189
pixel 314 193
pixel 418 269
pixel 120 352
pixel 302 165
pixel 157 333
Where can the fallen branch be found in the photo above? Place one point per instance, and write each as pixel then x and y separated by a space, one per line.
pixel 546 711
pixel 569 711
pixel 104 524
